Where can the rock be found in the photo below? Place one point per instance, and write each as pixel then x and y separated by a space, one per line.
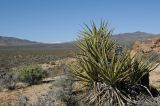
pixel 59 103
pixel 4 90
pixel 21 85
pixel 52 63
pixel 156 41
pixel 46 80
pixel 149 45
pixel 61 77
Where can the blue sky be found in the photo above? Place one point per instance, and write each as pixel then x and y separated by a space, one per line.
pixel 61 20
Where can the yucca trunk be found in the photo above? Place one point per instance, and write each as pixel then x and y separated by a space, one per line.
pixel 145 80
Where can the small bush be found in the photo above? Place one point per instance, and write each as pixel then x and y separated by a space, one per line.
pixel 63 88
pixel 60 93
pixel 21 101
pixel 46 100
pixel 31 74
pixel 146 101
pixel 6 81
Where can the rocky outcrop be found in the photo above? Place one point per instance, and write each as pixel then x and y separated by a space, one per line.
pixel 149 45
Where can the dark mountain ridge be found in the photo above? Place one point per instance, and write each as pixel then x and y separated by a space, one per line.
pixel 122 38
pixel 12 41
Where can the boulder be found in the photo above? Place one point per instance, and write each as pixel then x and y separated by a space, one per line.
pixel 21 85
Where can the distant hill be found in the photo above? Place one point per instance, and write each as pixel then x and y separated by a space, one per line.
pixel 128 39
pixel 11 41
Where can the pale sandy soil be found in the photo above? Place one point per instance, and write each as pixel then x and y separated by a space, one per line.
pixel 32 92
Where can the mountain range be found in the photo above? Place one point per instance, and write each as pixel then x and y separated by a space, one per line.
pixel 12 41
pixel 122 38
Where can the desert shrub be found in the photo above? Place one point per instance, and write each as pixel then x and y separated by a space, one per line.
pixel 110 77
pixel 6 80
pixel 21 101
pixel 46 100
pixel 60 93
pixel 31 74
pixel 62 87
pixel 148 101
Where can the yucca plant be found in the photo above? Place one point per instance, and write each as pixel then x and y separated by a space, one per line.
pixel 104 71
pixel 141 67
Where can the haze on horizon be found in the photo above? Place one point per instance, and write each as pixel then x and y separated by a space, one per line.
pixel 60 20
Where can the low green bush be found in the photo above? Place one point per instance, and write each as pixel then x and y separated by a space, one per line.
pixel 60 93
pixel 31 74
pixel 63 88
